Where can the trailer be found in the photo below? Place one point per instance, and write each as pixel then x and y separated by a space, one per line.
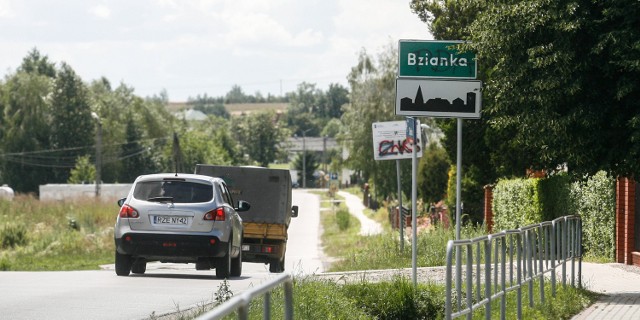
pixel 267 221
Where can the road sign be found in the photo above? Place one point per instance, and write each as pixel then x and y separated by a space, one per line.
pixel 390 141
pixel 438 98
pixel 435 59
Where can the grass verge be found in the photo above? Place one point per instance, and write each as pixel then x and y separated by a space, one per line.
pixel 49 236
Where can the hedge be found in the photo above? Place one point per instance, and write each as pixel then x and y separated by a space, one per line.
pixel 516 203
pixel 595 201
pixel 520 202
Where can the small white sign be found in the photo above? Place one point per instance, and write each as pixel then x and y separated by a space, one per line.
pixel 439 98
pixel 390 141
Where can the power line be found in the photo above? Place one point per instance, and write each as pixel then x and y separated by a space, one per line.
pixel 40 158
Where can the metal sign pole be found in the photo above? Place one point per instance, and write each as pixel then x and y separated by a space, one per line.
pixel 458 196
pixel 414 211
pixel 400 215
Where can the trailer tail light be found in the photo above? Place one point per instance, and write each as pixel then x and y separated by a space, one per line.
pixel 215 215
pixel 126 211
pixel 268 249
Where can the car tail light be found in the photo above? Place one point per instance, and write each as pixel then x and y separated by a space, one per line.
pixel 215 214
pixel 126 211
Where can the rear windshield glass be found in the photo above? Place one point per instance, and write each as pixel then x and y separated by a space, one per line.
pixel 178 191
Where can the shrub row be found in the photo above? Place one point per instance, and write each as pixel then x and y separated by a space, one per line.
pixel 520 202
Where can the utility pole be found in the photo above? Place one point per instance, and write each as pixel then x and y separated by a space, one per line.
pixel 98 152
pixel 304 160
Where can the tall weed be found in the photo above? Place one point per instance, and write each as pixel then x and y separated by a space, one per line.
pixel 13 235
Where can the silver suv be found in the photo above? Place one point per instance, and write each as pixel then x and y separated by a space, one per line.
pixel 183 218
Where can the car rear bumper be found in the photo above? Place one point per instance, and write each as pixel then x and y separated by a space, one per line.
pixel 171 247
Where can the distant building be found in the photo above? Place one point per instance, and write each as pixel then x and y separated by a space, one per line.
pixel 191 115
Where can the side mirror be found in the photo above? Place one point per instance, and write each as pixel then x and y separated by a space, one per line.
pixel 294 211
pixel 243 206
pixel 121 202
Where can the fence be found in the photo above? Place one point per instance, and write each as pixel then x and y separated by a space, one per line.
pixel 241 302
pixel 528 254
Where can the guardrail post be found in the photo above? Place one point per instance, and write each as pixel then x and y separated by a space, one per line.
pixel 553 249
pixel 288 300
pixel 519 276
pixel 579 253
pixel 447 280
pixel 487 275
pixel 540 249
pixel 469 280
pixel 503 301
pixel 267 306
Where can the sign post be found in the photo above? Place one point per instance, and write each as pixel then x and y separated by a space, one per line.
pixel 435 79
pixel 392 141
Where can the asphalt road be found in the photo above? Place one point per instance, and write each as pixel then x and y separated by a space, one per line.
pixel 163 289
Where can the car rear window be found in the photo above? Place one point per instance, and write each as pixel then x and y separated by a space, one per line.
pixel 177 191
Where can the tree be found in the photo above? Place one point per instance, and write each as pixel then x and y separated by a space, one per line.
pixel 259 136
pixel 302 112
pixel 372 87
pixel 236 95
pixel 84 171
pixel 559 86
pixel 25 130
pixel 71 123
pixel 136 159
pixel 311 164
pixel 336 97
pixel 209 105
pixel 571 64
pixel 432 174
pixel 36 63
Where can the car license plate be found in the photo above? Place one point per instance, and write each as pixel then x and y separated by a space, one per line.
pixel 245 247
pixel 171 220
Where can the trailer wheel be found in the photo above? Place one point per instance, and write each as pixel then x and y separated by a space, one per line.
pixel 276 266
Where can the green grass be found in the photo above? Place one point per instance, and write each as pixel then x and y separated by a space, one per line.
pixel 78 235
pixel 47 236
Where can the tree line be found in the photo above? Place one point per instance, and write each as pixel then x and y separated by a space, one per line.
pixel 49 121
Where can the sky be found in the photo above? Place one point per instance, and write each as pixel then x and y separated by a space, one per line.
pixel 190 47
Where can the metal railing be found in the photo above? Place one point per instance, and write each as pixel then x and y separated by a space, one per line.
pixel 241 302
pixel 497 264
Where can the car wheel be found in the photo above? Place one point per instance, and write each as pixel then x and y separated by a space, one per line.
pixel 223 266
pixel 236 265
pixel 123 264
pixel 276 266
pixel 203 264
pixel 139 266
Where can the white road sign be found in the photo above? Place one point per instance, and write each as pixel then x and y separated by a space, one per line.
pixel 438 98
pixel 390 141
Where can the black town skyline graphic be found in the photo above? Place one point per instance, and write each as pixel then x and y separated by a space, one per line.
pixel 439 104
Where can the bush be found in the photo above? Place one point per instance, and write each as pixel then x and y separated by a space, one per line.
pixel 13 235
pixel 555 193
pixel 516 203
pixel 595 201
pixel 397 299
pixel 342 218
pixel 520 202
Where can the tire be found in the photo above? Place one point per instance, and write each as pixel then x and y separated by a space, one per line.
pixel 139 266
pixel 223 266
pixel 236 265
pixel 123 264
pixel 203 264
pixel 276 266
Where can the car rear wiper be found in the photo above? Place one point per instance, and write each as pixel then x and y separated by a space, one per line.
pixel 160 199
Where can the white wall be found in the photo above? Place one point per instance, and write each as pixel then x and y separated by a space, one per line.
pixel 108 191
